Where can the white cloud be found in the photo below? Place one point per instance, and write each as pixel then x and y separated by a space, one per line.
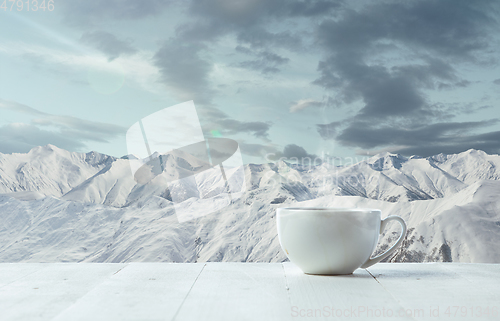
pixel 66 132
pixel 136 69
pixel 303 104
pixel 21 137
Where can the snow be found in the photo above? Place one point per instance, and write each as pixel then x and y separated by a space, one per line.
pixel 48 170
pixel 25 196
pixel 60 206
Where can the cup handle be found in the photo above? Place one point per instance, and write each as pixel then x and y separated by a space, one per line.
pixel 382 256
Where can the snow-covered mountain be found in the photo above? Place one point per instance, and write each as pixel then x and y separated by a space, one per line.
pixel 49 170
pixel 60 206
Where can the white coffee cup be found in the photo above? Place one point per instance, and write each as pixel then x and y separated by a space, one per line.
pixel 333 240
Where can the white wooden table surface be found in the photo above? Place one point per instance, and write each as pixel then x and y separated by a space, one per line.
pixel 247 291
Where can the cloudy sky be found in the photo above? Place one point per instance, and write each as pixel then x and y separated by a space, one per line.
pixel 285 78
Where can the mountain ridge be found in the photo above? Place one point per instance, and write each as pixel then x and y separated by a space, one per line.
pixel 60 206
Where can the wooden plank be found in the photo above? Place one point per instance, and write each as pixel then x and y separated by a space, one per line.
pixel 141 291
pixel 43 294
pixel 246 291
pixel 431 291
pixel 238 291
pixel 11 272
pixel 357 296
pixel 483 276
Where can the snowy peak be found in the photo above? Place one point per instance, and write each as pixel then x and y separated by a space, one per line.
pixel 47 149
pixel 48 170
pixel 97 159
pixel 470 166
pixel 384 161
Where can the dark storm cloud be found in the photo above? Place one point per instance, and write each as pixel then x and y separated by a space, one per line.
pixel 362 135
pixel 435 36
pixel 258 37
pixel 496 81
pixel 448 137
pixel 449 27
pixel 311 8
pixel 294 153
pixel 293 150
pixel 247 13
pixel 451 30
pixel 213 119
pixel 233 126
pixel 107 43
pixel 450 110
pixel 461 83
pixel 489 142
pixel 184 71
pixel 423 75
pixel 248 19
pixel 271 153
pixel 386 92
pixel 266 62
pixel 85 12
pixel 328 131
